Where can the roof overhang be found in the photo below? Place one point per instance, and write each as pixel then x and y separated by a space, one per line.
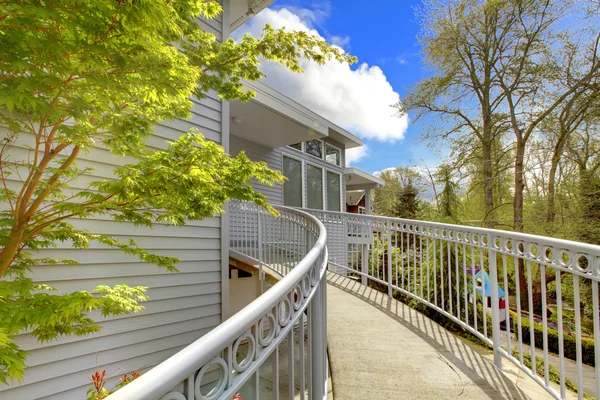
pixel 357 179
pixel 275 120
pixel 342 136
pixel 241 11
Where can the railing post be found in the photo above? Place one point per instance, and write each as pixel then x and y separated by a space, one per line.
pixel 318 343
pixel 496 339
pixel 260 251
pixel 364 260
pixel 389 259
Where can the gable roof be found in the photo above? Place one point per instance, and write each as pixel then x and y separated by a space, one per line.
pixel 354 197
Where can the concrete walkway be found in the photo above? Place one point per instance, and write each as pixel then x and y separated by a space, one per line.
pixel 380 348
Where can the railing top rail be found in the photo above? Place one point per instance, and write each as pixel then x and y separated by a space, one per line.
pixel 186 362
pixel 494 233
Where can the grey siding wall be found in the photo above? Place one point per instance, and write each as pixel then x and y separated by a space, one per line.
pixel 183 306
pixel 258 152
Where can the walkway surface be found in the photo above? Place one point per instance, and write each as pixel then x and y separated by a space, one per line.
pixel 380 348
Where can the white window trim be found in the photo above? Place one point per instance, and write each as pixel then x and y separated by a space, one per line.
pixel 323 182
pixel 325 154
pixel 364 209
pixel 341 196
pixel 303 178
pixel 302 147
pixel 322 158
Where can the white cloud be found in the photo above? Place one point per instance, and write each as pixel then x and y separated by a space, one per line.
pixel 340 41
pixel 355 154
pixel 359 100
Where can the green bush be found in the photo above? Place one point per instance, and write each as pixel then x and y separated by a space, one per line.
pixel 570 342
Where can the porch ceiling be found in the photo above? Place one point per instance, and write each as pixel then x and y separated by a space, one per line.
pixel 275 120
pixel 272 119
pixel 357 179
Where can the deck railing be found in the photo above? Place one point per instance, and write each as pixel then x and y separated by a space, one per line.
pixel 500 286
pixel 229 358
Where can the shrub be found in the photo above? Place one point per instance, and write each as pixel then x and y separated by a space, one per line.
pixel 569 341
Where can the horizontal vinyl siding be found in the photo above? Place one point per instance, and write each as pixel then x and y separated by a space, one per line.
pixel 182 306
pixel 258 152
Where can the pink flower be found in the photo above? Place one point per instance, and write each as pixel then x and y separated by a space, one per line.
pixel 99 380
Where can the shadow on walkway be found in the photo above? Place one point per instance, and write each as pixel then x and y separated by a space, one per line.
pixel 382 349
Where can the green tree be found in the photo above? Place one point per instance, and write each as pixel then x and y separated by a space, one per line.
pixel 386 198
pixel 399 196
pixel 77 75
pixel 448 199
pixel 462 41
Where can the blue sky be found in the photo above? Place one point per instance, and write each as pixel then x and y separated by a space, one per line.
pixel 389 63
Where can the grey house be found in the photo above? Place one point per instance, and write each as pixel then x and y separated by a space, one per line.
pixel 259 297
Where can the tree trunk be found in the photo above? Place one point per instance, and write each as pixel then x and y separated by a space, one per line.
pixel 519 187
pixel 558 149
pixel 488 166
pixel 11 248
pixel 488 184
pixel 518 213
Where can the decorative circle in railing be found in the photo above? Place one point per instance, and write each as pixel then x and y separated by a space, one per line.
pixel 247 360
pixel 305 286
pixel 583 263
pixel 262 340
pixel 219 386
pixel 297 297
pixel 284 311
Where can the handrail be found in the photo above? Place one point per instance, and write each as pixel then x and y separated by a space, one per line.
pixel 246 325
pixel 584 247
pixel 460 271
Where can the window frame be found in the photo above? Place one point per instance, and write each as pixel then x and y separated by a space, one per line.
pixel 302 147
pixel 322 149
pixel 336 148
pixel 342 204
pixel 323 184
pixel 303 178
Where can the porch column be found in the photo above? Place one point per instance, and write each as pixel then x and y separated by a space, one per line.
pixel 368 201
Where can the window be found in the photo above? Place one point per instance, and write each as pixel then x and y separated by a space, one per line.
pixel 297 146
pixel 333 191
pixel 362 210
pixel 292 188
pixel 332 155
pixel 314 187
pixel 314 148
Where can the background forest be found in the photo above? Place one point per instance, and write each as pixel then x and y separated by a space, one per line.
pixel 514 94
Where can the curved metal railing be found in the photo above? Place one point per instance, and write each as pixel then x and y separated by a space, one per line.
pixel 495 284
pixel 228 358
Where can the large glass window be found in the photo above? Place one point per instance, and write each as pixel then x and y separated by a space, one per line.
pixel 314 148
pixel 332 155
pixel 314 187
pixel 292 188
pixel 333 191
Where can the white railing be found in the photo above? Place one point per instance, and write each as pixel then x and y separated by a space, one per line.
pixel 492 283
pixel 228 359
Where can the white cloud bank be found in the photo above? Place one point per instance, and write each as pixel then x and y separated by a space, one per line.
pixel 358 100
pixel 355 154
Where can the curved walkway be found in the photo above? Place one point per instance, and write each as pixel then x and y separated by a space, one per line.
pixel 380 348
